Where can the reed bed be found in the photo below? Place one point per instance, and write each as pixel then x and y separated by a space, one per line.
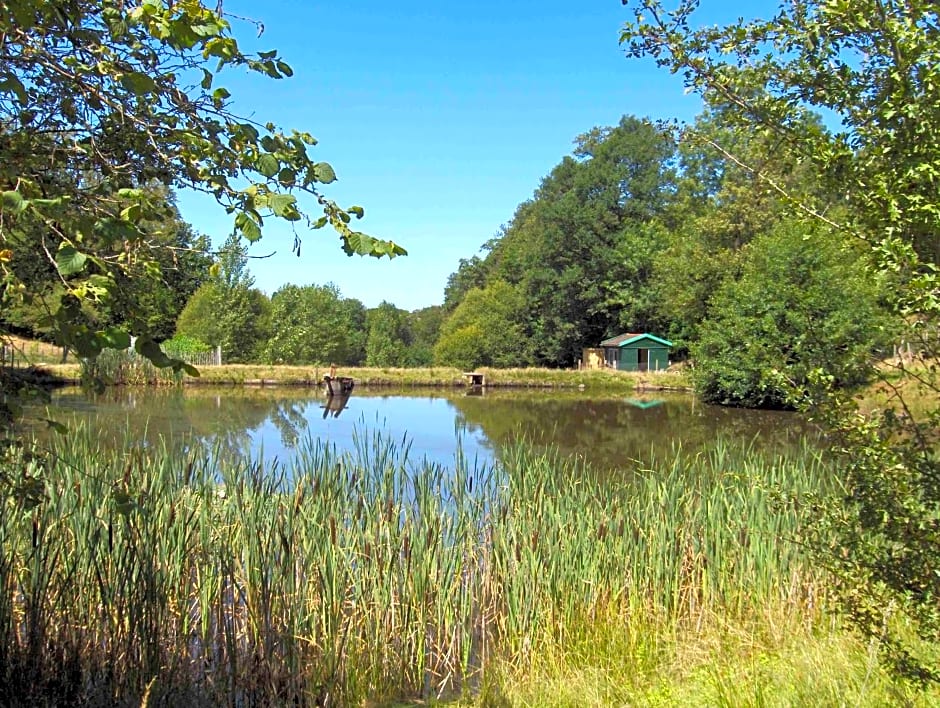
pixel 124 367
pixel 172 577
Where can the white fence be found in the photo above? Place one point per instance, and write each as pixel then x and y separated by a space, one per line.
pixel 210 358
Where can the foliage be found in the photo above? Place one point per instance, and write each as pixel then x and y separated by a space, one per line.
pixel 470 273
pixel 313 324
pixel 388 337
pixel 228 311
pixel 424 327
pixel 872 66
pixel 484 330
pixel 580 252
pixel 461 348
pixel 99 101
pixel 719 208
pixel 803 304
pixel 184 344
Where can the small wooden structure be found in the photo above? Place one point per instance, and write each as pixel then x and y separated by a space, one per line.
pixel 475 378
pixel 592 358
pixel 636 352
pixel 338 385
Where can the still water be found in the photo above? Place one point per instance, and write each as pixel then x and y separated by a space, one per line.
pixel 604 430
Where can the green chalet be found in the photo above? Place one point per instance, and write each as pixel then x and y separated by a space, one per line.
pixel 636 352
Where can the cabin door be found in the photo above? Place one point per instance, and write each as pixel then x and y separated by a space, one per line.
pixel 643 359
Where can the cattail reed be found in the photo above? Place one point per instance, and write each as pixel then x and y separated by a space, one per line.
pixel 188 575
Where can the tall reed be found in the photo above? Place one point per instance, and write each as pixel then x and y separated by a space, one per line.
pixel 126 367
pixel 189 578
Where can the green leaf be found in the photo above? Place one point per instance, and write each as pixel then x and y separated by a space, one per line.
pixel 268 165
pixel 324 173
pixel 132 213
pixel 139 83
pixel 115 338
pixel 55 426
pixel 191 370
pixel 150 350
pixel 247 226
pixel 13 201
pixel 357 210
pixel 268 143
pixel 282 205
pixel 69 261
pixel 10 83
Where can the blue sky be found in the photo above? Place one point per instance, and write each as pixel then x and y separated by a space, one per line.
pixel 439 118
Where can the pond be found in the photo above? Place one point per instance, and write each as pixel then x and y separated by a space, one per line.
pixel 602 429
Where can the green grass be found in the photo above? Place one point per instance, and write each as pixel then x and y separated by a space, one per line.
pixel 190 579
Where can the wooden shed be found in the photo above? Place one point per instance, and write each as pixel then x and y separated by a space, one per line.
pixel 636 352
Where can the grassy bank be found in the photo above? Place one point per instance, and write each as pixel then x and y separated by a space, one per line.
pixel 186 580
pixel 118 370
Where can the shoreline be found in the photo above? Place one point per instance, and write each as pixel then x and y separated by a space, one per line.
pixel 270 376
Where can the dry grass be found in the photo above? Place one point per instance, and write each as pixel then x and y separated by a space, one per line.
pixel 29 352
pixel 911 389
pixel 271 375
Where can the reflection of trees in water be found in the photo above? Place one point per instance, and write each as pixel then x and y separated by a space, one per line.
pixel 608 432
pixel 223 419
pixel 611 432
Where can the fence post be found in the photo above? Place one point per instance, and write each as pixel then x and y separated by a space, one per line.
pixel 218 355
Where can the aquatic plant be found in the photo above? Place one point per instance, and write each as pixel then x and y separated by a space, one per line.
pixel 167 576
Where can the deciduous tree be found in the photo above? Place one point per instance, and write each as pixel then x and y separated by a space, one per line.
pixel 873 67
pixel 101 98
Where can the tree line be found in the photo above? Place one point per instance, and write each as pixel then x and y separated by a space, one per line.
pixel 638 231
pixel 299 324
pixel 635 231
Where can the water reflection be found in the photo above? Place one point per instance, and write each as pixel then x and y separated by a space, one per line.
pixel 605 430
pixel 335 404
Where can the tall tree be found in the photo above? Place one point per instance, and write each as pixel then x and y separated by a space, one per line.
pixel 580 250
pixel 388 338
pixel 720 208
pixel 313 324
pixel 794 311
pixel 424 328
pixel 228 311
pixel 485 329
pixel 874 67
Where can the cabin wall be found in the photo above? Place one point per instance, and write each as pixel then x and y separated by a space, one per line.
pixel 643 356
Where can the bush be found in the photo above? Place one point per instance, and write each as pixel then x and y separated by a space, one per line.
pixel 804 306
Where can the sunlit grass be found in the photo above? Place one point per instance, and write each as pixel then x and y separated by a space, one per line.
pixel 361 576
pixel 271 375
